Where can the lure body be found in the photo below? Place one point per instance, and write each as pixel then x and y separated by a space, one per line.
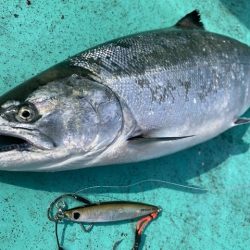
pixel 110 212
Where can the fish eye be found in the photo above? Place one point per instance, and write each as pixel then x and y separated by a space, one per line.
pixel 26 113
pixel 76 215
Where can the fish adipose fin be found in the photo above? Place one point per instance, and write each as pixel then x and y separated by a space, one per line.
pixel 191 21
pixel 151 139
pixel 242 120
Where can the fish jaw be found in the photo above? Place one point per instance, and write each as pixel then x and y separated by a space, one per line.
pixel 31 136
pixel 19 145
pixel 31 159
pixel 24 149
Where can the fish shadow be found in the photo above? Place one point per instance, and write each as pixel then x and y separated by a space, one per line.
pixel 177 168
pixel 240 9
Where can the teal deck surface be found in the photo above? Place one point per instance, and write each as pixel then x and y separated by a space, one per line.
pixel 36 36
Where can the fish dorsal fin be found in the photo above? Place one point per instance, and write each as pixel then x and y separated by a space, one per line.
pixel 190 21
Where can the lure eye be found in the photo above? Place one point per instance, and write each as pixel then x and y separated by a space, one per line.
pixel 76 215
pixel 27 113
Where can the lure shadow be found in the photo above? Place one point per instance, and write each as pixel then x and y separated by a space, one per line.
pixel 178 168
pixel 239 9
pixel 65 225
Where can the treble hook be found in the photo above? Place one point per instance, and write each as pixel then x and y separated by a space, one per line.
pixel 60 213
pixel 140 226
pixel 57 238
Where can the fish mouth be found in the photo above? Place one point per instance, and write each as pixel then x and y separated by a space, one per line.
pixel 9 143
pixel 15 137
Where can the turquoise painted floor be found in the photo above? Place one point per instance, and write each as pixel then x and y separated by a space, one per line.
pixel 34 37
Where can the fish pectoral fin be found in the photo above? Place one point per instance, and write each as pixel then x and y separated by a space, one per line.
pixel 151 139
pixel 191 21
pixel 242 120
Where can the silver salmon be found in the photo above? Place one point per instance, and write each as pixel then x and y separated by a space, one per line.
pixel 131 99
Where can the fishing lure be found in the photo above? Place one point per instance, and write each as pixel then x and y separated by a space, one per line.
pixel 102 212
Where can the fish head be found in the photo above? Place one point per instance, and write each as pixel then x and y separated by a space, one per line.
pixel 58 123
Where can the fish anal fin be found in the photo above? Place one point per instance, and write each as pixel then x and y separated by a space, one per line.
pixel 242 120
pixel 190 21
